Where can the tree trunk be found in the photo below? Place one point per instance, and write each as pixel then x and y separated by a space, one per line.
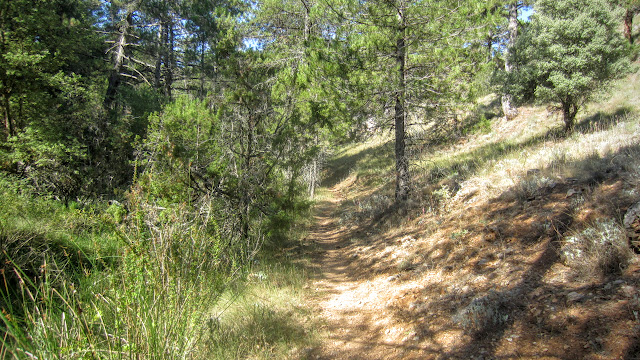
pixel 313 178
pixel 170 59
pixel 118 58
pixel 490 37
pixel 510 111
pixel 569 111
pixel 248 155
pixel 402 163
pixel 628 23
pixel 201 92
pixel 8 120
pixel 307 21
pixel 157 73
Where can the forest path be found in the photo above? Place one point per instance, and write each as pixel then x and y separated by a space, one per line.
pixel 352 301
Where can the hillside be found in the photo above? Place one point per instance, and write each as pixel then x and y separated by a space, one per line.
pixel 511 246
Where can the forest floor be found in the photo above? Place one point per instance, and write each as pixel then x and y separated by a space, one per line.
pixel 491 257
pixel 352 301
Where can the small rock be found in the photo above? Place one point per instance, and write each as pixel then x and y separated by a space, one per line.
pixel 618 282
pixel 573 191
pixel 482 262
pixel 632 226
pixel 628 291
pixel 392 278
pixel 574 296
pixel 632 214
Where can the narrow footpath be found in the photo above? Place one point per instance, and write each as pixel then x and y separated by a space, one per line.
pixel 352 302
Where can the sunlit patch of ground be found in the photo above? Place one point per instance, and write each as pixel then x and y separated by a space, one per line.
pixel 475 267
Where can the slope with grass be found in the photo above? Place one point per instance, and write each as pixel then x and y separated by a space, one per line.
pixel 511 246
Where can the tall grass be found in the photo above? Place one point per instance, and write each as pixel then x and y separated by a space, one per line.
pixel 91 283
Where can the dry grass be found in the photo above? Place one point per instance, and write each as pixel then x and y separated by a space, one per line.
pixel 478 261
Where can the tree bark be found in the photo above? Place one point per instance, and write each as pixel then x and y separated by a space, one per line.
pixel 510 111
pixel 8 120
pixel 115 79
pixel 157 72
pixel 628 22
pixel 569 112
pixel 170 58
pixel 402 163
pixel 313 178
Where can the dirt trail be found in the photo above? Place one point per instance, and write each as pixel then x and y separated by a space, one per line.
pixel 352 301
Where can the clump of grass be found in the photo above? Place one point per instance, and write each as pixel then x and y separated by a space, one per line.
pixel 408 262
pixel 148 305
pixel 441 197
pixel 264 318
pixel 598 250
pixel 483 313
pixel 481 126
pixel 147 295
pixel 532 186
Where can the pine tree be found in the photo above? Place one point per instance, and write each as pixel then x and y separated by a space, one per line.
pixel 50 76
pixel 572 49
pixel 417 56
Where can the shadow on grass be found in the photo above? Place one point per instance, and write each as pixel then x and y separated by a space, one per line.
pixel 535 225
pixel 467 164
pixel 539 226
pixel 602 120
pixel 259 329
pixel 368 160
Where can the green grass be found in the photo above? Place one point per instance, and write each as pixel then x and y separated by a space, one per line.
pixel 79 282
pixel 265 318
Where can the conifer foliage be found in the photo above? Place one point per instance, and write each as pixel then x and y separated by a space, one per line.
pixel 571 50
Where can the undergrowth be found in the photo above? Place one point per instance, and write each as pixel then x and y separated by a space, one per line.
pixel 149 282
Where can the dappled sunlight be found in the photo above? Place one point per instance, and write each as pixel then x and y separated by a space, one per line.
pixel 475 267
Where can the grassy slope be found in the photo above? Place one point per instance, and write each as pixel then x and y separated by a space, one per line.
pixel 493 245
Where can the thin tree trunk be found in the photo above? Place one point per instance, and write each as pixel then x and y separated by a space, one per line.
pixel 307 21
pixel 168 78
pixel 628 23
pixel 8 120
pixel 490 46
pixel 314 172
pixel 508 109
pixel 402 163
pixel 569 112
pixel 159 55
pixel 202 70
pixel 118 58
pixel 246 197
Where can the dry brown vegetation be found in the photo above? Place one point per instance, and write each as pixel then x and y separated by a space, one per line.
pixel 511 246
